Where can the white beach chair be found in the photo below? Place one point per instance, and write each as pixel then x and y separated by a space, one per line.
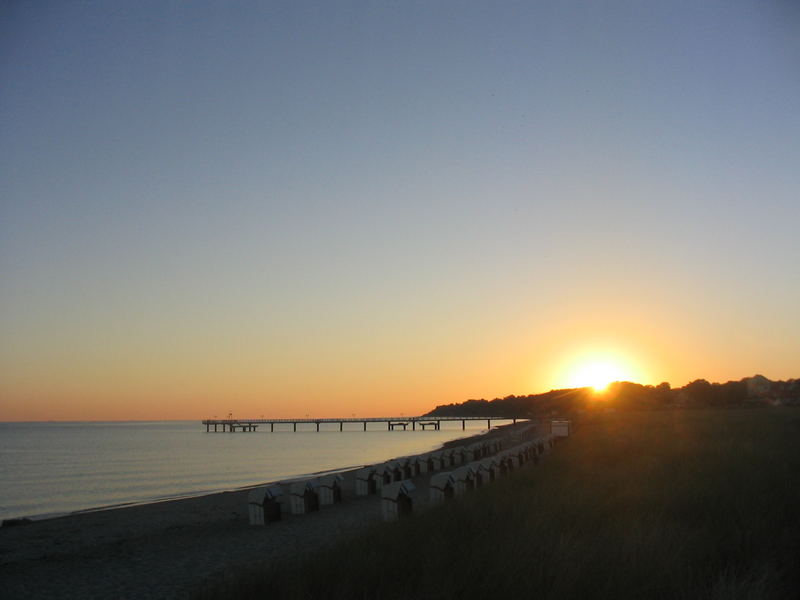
pixel 440 460
pixel 384 474
pixel 475 451
pixel 464 479
pixel 396 501
pixel 479 473
pixel 330 489
pixel 490 469
pixel 560 428
pixel 420 464
pixel 304 496
pixel 263 506
pixel 366 481
pixel 442 487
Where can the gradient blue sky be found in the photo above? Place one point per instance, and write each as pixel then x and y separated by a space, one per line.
pixel 370 207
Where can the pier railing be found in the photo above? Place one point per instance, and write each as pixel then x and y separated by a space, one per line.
pixel 392 423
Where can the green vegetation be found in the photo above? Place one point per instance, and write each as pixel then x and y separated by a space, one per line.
pixel 747 392
pixel 650 504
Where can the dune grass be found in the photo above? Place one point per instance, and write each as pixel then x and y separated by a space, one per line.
pixel 672 504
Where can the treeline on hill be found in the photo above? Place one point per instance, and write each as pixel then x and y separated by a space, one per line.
pixel 757 390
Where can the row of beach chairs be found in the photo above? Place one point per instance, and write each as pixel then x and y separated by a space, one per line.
pixel 267 504
pixel 444 486
pixel 455 470
pixel 396 501
pixel 372 479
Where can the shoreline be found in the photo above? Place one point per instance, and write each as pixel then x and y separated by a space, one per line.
pixel 186 496
pixel 167 549
pixel 37 518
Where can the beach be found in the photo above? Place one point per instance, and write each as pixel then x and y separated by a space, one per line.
pixel 168 549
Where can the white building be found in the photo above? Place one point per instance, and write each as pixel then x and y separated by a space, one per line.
pixel 560 428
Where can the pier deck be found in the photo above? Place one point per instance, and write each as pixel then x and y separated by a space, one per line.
pixel 244 425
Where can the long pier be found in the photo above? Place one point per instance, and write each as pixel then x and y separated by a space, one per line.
pixel 392 423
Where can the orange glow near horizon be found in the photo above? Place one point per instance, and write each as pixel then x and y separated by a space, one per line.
pixel 597 375
pixel 597 368
pixel 364 377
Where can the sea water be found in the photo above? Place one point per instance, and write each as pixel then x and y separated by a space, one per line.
pixel 53 468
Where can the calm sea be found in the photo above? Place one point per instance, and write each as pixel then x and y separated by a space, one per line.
pixel 53 468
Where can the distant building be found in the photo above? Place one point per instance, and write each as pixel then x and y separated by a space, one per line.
pixel 758 386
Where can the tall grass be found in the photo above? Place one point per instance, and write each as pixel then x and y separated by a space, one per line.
pixel 674 504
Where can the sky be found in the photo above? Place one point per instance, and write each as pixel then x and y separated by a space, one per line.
pixel 372 208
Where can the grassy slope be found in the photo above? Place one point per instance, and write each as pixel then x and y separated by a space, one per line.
pixel 674 504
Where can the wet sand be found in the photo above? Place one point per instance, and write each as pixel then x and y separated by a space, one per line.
pixel 167 549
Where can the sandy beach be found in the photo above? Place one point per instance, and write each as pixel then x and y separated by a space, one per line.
pixel 168 549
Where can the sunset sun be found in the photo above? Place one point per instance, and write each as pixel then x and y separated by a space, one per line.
pixel 597 375
pixel 597 371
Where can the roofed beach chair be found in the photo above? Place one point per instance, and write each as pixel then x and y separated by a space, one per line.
pixel 490 469
pixel 330 489
pixel 396 468
pixel 410 467
pixel 366 481
pixel 442 487
pixel 263 504
pixel 464 479
pixel 452 456
pixel 440 460
pixel 384 474
pixel 479 472
pixel 476 451
pixel 503 463
pixel 419 464
pixel 396 501
pixel 304 496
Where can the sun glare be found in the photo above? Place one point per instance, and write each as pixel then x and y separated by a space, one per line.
pixel 597 376
pixel 597 373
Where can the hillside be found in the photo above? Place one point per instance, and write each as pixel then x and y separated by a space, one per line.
pixel 749 391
